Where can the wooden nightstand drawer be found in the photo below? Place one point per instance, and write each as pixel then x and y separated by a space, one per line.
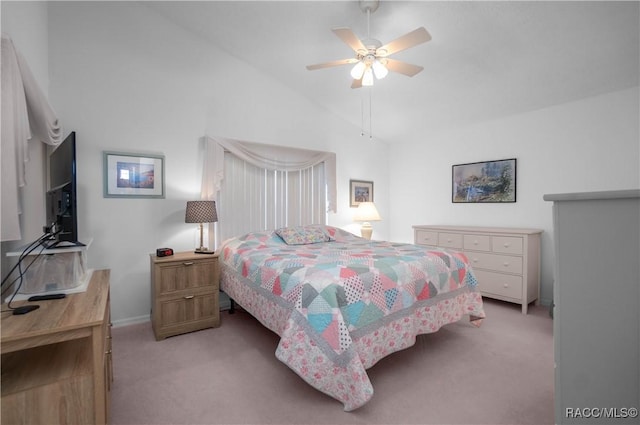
pixel 188 309
pixel 185 275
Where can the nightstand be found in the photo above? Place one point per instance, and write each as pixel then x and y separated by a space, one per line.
pixel 184 293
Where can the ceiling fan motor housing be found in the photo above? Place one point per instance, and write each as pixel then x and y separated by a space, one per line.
pixel 369 5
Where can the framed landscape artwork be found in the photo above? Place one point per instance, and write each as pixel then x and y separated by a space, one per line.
pixel 129 175
pixel 483 182
pixel 360 191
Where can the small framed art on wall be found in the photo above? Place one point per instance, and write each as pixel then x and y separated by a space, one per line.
pixel 360 191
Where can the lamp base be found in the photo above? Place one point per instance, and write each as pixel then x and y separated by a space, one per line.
pixel 203 251
pixel 366 230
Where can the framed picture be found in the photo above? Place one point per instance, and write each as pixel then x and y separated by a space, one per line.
pixel 129 175
pixel 360 191
pixel 480 182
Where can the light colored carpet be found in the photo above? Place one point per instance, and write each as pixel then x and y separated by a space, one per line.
pixel 500 373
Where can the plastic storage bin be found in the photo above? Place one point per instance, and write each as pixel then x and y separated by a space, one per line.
pixel 55 272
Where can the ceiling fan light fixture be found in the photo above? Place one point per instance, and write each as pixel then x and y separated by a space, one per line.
pixel 379 69
pixel 358 70
pixel 367 78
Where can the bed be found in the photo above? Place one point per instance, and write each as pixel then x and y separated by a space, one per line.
pixel 340 303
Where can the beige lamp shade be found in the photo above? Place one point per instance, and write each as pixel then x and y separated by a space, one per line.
pixel 201 212
pixel 366 212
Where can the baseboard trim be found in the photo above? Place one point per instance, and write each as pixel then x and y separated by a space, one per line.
pixel 131 321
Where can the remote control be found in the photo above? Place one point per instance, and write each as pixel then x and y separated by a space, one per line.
pixel 46 297
pixel 24 309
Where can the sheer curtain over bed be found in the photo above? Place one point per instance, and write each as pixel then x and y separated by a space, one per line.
pixel 259 186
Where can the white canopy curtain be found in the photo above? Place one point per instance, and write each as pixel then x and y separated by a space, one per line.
pixel 267 185
pixel 26 114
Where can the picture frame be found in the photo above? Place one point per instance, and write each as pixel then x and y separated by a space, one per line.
pixel 133 175
pixel 484 182
pixel 360 191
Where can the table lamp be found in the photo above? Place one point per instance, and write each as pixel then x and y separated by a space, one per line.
pixel 366 212
pixel 201 212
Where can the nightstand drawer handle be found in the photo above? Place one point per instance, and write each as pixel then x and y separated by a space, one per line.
pixel 188 263
pixel 188 297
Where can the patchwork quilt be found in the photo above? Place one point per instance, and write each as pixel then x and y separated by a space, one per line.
pixel 340 302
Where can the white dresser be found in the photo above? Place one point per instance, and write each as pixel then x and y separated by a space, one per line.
pixel 596 326
pixel 506 261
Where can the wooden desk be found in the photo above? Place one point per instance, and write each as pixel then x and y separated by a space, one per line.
pixel 56 360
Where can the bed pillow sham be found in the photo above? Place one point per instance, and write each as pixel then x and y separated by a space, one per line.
pixel 303 235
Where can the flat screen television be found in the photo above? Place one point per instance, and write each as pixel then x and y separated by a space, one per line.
pixel 61 202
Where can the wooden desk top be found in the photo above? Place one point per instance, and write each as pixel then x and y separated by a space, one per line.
pixel 57 320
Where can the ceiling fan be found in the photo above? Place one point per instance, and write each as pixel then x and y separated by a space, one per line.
pixel 372 57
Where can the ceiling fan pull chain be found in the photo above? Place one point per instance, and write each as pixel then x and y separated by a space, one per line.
pixel 362 115
pixel 370 119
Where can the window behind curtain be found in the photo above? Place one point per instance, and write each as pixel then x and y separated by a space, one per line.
pixel 254 199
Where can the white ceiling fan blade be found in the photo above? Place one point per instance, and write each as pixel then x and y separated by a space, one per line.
pixel 402 67
pixel 411 39
pixel 350 39
pixel 332 63
pixel 356 84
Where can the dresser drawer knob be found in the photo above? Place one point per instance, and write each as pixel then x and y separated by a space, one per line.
pixel 475 242
pixel 506 264
pixel 188 297
pixel 506 244
pixel 188 263
pixel 506 285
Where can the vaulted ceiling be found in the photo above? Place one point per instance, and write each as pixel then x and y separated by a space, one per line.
pixel 486 60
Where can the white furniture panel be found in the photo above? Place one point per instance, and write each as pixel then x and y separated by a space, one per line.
pixel 506 261
pixel 596 292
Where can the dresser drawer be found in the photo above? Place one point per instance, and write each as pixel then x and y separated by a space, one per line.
pixel 503 285
pixel 450 240
pixel 477 242
pixel 495 262
pixel 507 244
pixel 424 237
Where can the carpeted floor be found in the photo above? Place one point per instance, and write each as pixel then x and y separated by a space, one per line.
pixel 500 373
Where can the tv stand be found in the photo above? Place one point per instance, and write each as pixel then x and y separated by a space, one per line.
pixel 56 361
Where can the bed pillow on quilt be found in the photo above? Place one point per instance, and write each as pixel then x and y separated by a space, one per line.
pixel 303 235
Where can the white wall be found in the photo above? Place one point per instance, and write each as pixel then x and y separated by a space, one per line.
pixel 125 79
pixel 588 145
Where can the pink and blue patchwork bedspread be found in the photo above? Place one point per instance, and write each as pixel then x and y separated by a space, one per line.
pixel 340 306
